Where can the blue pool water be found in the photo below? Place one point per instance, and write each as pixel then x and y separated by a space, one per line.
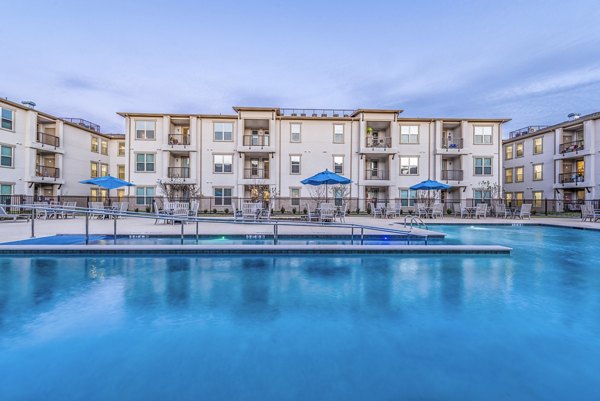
pixel 518 327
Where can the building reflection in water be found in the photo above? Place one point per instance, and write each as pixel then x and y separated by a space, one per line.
pixel 377 283
pixel 256 281
pixel 178 281
pixel 44 279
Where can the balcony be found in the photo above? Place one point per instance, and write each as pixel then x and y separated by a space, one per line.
pixel 179 139
pixel 256 173
pixel 47 172
pixel 376 174
pixel 178 172
pixel 573 146
pixel 570 178
pixel 84 123
pixel 256 140
pixel 456 143
pixel 378 142
pixel 452 175
pixel 48 139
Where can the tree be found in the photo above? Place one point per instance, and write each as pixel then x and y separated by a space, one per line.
pixel 176 188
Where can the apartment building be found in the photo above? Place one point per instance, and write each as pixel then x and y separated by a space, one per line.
pixel 226 156
pixel 44 155
pixel 558 162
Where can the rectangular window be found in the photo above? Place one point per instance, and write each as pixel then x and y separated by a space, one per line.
pixel 409 134
pixel 120 194
pixel 295 196
pixel 483 166
pixel 121 149
pixel 295 164
pixel 94 170
pixel 144 162
pixel 222 196
pixel 537 198
pixel 6 191
pixel 144 195
pixel 338 164
pixel 508 175
pixel 508 152
pixel 483 135
pixel 6 156
pixel 104 147
pixel 94 147
pixel 519 174
pixel 508 197
pixel 407 197
pixel 518 199
pixel 7 119
pixel 482 196
pixel 538 145
pixel 223 132
pixel 295 133
pixel 121 171
pixel 103 170
pixel 409 166
pixel 145 130
pixel 538 172
pixel 223 163
pixel 98 194
pixel 338 133
pixel 520 151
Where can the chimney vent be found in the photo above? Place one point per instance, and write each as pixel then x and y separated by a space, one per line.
pixel 28 103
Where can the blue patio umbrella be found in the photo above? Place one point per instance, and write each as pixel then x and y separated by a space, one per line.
pixel 108 182
pixel 326 178
pixel 428 185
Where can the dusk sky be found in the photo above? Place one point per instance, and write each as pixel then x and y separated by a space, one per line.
pixel 532 61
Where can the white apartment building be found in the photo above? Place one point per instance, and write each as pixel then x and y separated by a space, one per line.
pixel 559 163
pixel 44 155
pixel 225 156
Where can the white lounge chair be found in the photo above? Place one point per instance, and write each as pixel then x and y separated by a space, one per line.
pixel 12 216
pixel 160 214
pixel 481 210
pixel 326 212
pixel 341 213
pixel 250 211
pixel 311 216
pixel 437 210
pixel 501 211
pixel 525 211
pixel 377 211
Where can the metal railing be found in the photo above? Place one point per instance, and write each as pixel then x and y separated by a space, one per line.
pixel 378 142
pixel 309 112
pixel 526 130
pixel 573 146
pixel 256 140
pixel 376 174
pixel 179 139
pixel 456 143
pixel 452 175
pixel 414 220
pixel 84 123
pixel 568 178
pixel 178 172
pixel 46 171
pixel 256 173
pixel 48 139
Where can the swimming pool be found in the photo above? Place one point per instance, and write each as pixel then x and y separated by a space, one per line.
pixel 521 327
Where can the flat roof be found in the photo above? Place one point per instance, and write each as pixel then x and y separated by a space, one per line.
pixel 577 121
pixel 359 111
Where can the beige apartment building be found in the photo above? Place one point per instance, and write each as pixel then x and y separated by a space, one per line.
pixel 47 156
pixel 225 157
pixel 559 163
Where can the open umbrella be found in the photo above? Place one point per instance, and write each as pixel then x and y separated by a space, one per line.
pixel 429 185
pixel 326 178
pixel 108 182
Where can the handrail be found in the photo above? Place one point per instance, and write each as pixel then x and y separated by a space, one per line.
pixel 195 219
pixel 414 219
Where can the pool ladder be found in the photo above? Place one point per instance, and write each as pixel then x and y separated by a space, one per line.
pixel 414 219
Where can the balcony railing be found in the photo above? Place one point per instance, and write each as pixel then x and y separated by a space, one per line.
pixel 256 173
pixel 376 174
pixel 256 140
pixel 526 130
pixel 48 139
pixel 316 112
pixel 178 172
pixel 452 175
pixel 179 139
pixel 573 146
pixel 456 143
pixel 46 171
pixel 379 142
pixel 569 178
pixel 84 123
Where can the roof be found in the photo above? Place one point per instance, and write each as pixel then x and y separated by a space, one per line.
pixel 359 111
pixel 175 115
pixel 245 108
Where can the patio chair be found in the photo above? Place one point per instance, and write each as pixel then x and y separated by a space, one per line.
pixel 250 211
pixel 392 211
pixel 377 211
pixel 341 213
pixel 160 214
pixel 501 211
pixel 481 210
pixel 123 207
pixel 421 210
pixel 311 216
pixel 264 213
pixel 41 210
pixel 68 210
pixel 12 216
pixel 587 212
pixel 525 211
pixel 96 209
pixel 327 212
pixel 437 210
pixel 181 211
pixel 194 206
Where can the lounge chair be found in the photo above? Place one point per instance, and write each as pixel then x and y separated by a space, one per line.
pixel 377 211
pixel 326 212
pixel 311 216
pixel 437 210
pixel 250 211
pixel 68 210
pixel 501 211
pixel 481 210
pixel 194 206
pixel 421 210
pixel 587 212
pixel 12 216
pixel 525 211
pixel 341 213
pixel 160 214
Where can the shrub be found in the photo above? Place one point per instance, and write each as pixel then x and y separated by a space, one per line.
pixel 226 210
pixel 305 211
pixel 205 211
pixel 448 211
pixel 294 210
pixel 147 209
pixel 137 209
pixel 214 211
pixel 357 210
pixel 282 210
pixel 368 209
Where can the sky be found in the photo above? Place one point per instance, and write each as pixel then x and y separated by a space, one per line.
pixel 532 61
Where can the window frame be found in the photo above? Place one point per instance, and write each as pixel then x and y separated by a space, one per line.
pixel 522 145
pixel 147 198
pixel 541 146
pixel 512 152
pixel 409 165
pixel 483 166
pixel 119 167
pixel 338 133
pixel 12 155
pixel 410 200
pixel 94 144
pixel 299 125
pixel 512 175
pixel 342 164
pixel 516 174
pixel 223 163
pixel 475 134
pixel 292 164
pixel 541 172
pixel 222 131
pixel 410 134
pixel 94 169
pixel 119 153
pixel 537 202
pixel 145 131
pixel 223 199
pixel 12 119
pixel 145 162
pixel 295 199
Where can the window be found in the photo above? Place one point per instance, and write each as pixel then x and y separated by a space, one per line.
pixel 338 196
pixel 538 172
pixel 520 152
pixel 103 147
pixel 121 171
pixel 483 166
pixel 120 194
pixel 222 196
pixel 508 152
pixel 103 170
pixel 145 129
pixel 338 164
pixel 538 145
pixel 409 165
pixel 94 144
pixel 407 197
pixel 6 156
pixel 537 198
pixel 121 149
pixel 295 132
pixel 144 195
pixel 409 134
pixel 518 199
pixel 223 132
pixel 482 196
pixel 5 193
pixel 483 135
pixel 223 163
pixel 295 196
pixel 519 174
pixel 295 164
pixel 98 193
pixel 144 162
pixel 7 119
pixel 508 175
pixel 338 133
pixel 93 170
pixel 508 197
